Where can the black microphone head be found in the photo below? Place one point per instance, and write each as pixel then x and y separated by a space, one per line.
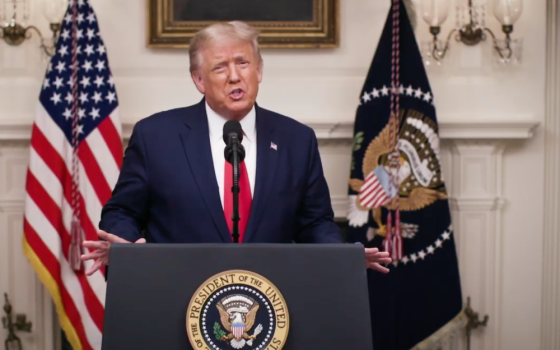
pixel 232 127
pixel 228 153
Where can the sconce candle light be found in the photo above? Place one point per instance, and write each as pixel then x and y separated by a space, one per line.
pixel 473 30
pixel 14 15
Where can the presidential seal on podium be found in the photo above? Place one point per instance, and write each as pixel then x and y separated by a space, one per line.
pixel 237 309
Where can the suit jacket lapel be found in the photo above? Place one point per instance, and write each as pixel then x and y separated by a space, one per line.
pixel 196 141
pixel 267 158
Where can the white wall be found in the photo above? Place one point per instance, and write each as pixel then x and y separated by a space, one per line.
pixel 500 246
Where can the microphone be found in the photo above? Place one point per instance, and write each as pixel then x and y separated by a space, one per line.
pixel 233 135
pixel 234 154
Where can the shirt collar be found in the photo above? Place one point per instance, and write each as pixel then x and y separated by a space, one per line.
pixel 216 124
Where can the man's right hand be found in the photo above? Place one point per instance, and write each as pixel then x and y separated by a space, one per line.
pixel 101 252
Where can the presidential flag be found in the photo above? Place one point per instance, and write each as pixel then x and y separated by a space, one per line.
pixel 398 201
pixel 75 159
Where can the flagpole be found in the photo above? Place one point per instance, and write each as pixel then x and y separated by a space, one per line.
pixel 75 249
pixel 393 240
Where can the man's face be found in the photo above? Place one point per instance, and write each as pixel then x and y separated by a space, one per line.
pixel 229 77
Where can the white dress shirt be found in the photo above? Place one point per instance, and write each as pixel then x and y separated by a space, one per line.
pixel 249 142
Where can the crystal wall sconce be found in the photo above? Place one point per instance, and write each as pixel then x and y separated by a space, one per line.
pixel 14 16
pixel 471 28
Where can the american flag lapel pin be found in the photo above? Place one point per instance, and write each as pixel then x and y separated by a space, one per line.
pixel 273 146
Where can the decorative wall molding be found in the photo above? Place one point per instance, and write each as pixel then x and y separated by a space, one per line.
pixel 18 279
pixel 340 206
pixel 15 131
pixel 477 205
pixel 550 322
pixel 463 130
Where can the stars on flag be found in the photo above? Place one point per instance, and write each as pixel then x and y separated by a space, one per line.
pixel 80 18
pixel 55 98
pixel 63 50
pixel 424 253
pixel 96 95
pixel 427 96
pixel 409 91
pixel 366 97
pixel 83 97
pixel 99 81
pixel 89 50
pixel 87 66
pixel 100 65
pixel 94 113
pixel 111 97
pixel 385 91
pixel 67 113
pixel 65 35
pixel 90 34
pixel 85 82
pixel 70 83
pixel 60 67
pixel 58 82
pixel 91 18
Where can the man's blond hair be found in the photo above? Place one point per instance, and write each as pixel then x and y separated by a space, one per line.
pixel 235 30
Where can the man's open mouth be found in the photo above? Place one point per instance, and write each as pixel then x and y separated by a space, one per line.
pixel 237 94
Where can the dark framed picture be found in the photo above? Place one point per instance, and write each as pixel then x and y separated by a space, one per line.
pixel 283 23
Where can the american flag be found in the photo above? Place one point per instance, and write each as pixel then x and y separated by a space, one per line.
pixel 75 159
pixel 377 189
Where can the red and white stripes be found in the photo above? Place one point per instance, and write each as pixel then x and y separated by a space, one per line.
pixel 49 212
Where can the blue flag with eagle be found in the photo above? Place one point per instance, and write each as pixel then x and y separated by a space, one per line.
pixel 396 170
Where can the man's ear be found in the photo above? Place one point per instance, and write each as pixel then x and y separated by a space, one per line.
pixel 198 81
pixel 260 70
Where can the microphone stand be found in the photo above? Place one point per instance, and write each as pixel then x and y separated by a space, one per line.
pixel 235 190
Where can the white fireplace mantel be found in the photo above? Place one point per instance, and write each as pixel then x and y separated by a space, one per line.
pixel 449 130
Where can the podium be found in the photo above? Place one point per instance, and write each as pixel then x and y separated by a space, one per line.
pixel 237 296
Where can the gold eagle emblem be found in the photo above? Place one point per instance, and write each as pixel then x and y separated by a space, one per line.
pixel 237 315
pixel 420 181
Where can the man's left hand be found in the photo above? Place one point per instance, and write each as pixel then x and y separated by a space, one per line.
pixel 374 259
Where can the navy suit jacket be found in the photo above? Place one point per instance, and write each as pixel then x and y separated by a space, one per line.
pixel 167 188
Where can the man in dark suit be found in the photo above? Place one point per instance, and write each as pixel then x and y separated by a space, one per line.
pixel 175 185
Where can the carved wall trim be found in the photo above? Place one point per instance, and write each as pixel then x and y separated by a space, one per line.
pixel 477 215
pixel 464 130
pixel 550 337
